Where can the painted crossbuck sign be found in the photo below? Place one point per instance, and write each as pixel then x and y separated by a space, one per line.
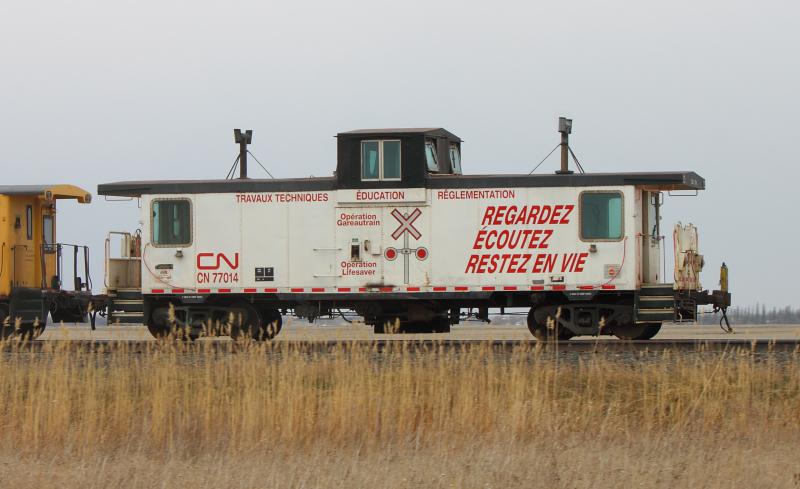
pixel 406 223
pixel 405 229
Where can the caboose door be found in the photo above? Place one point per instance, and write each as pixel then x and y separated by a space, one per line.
pixel 168 257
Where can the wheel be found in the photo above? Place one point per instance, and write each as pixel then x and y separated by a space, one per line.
pixel 158 332
pixel 273 321
pixel 247 322
pixel 163 323
pixel 637 331
pixel 387 325
pixel 540 330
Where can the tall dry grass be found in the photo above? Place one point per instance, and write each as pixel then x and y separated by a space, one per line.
pixel 399 415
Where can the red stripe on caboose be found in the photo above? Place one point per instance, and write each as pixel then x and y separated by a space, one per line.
pixel 559 287
pixel 344 289
pixel 318 289
pixel 157 291
pixel 250 291
pixel 586 287
pixel 224 291
pixel 461 288
pixel 412 289
pixel 608 287
pixel 439 289
pixel 270 290
pixel 537 287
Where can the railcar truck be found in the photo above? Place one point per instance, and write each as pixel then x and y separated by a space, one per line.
pixel 403 238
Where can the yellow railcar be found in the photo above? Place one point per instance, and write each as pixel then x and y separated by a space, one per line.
pixel 31 260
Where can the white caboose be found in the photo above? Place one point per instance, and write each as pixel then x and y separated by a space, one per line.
pixel 402 237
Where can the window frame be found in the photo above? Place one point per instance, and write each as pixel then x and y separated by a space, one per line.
pixel 191 223
pixel 580 216
pixel 381 177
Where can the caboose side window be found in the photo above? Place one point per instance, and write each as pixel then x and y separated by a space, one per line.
pixel 430 156
pixel 172 223
pixel 380 160
pixel 601 216
pixel 29 221
pixel 48 230
pixel 391 160
pixel 455 159
pixel 370 160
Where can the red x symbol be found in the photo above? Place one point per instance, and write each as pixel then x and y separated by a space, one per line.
pixel 406 224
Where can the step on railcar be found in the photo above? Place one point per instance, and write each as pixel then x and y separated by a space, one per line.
pixel 403 238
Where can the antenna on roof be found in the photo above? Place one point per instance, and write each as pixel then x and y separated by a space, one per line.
pixel 243 139
pixel 565 128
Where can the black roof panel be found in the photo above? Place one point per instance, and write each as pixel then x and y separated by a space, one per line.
pixel 427 131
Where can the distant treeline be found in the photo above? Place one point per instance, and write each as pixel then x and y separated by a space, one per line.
pixel 757 314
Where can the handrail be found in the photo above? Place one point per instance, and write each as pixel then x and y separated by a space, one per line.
pixel 107 258
pixel 58 247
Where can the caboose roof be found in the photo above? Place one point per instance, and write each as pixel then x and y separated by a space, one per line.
pixel 677 180
pixel 56 191
pixel 425 131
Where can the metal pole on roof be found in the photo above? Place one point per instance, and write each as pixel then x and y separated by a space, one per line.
pixel 243 139
pixel 565 128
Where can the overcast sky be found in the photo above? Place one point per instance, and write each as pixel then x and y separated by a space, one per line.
pixel 101 91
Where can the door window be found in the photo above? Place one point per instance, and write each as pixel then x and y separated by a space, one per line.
pixel 172 223
pixel 653 204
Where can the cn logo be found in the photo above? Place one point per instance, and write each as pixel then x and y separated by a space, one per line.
pixel 213 261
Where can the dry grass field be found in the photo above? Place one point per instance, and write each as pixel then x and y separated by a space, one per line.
pixel 248 415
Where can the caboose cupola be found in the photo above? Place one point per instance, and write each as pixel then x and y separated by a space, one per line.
pixel 395 158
